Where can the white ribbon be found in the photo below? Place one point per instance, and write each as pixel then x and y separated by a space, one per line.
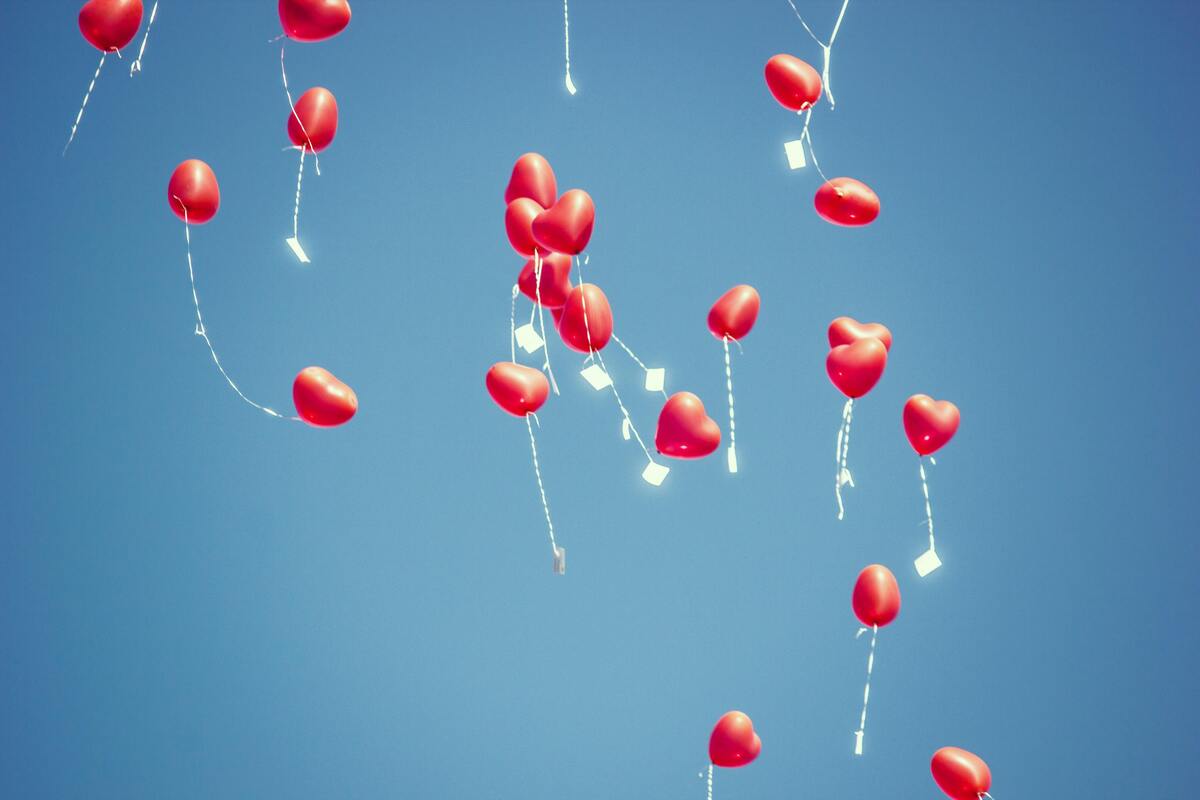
pixel 840 451
pixel 136 66
pixel 862 721
pixel 567 46
pixel 86 96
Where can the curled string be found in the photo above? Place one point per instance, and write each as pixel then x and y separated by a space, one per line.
pixel 202 331
pixel 567 46
pixel 928 508
pixel 842 475
pixel 710 772
pixel 537 278
pixel 636 360
pixel 806 136
pixel 729 391
pixel 862 722
pixel 292 106
pixel 136 66
pixel 86 96
pixel 826 49
pixel 537 471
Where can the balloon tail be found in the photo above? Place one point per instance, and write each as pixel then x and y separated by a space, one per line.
pixel 928 561
pixel 656 377
pixel 86 96
pixel 559 553
pixel 136 66
pixel 840 452
pixel 567 46
pixel 537 277
pixel 729 390
pixel 710 772
pixel 294 241
pixel 862 721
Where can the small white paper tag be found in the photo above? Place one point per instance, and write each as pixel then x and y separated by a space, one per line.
pixel 528 339
pixel 294 243
pixel 845 478
pixel 654 473
pixel 560 560
pixel 596 376
pixel 732 459
pixel 656 379
pixel 625 429
pixel 795 153
pixel 927 562
pixel 858 737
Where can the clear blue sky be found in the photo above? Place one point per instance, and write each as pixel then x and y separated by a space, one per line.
pixel 198 602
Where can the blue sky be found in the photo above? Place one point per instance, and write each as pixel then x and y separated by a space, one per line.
pixel 197 601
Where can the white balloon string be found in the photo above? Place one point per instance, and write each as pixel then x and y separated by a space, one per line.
pixel 136 66
pixel 537 278
pixel 806 135
pixel 862 721
pixel 636 360
pixel 537 471
pixel 296 210
pixel 86 96
pixel 729 391
pixel 826 49
pixel 512 323
pixel 928 508
pixel 842 475
pixel 292 106
pixel 567 46
pixel 710 772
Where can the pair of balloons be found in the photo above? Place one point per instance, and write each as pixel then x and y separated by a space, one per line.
pixel 537 219
pixel 857 355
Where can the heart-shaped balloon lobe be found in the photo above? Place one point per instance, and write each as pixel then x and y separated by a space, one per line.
pixel 313 20
pixel 961 774
pixel 587 321
pixel 532 177
pixel 518 224
pixel 193 187
pixel 928 423
pixel 684 429
pixel 734 313
pixel 847 330
pixel 321 399
pixel 110 24
pixel 845 201
pixel 855 368
pixel 876 598
pixel 555 282
pixel 518 389
pixel 566 227
pixel 733 742
pixel 794 83
pixel 316 119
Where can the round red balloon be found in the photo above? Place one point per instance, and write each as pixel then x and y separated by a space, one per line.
pixel 735 313
pixel 876 598
pixel 315 122
pixel 532 177
pixel 684 429
pixel 961 774
pixel 555 283
pixel 321 399
pixel 566 227
pixel 109 25
pixel 847 330
pixel 855 368
pixel 518 389
pixel 928 423
pixel 795 84
pixel 845 201
pixel 733 742
pixel 586 319
pixel 313 20
pixel 518 224
pixel 193 187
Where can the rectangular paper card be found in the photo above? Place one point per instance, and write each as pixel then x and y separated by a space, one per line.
pixel 528 339
pixel 654 474
pixel 858 737
pixel 294 243
pixel 795 153
pixel 625 429
pixel 596 376
pixel 656 379
pixel 560 560
pixel 732 459
pixel 927 562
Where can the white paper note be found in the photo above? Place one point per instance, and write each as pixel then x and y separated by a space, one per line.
pixel 528 339
pixel 858 737
pixel 927 562
pixel 625 429
pixel 560 560
pixel 294 243
pixel 656 379
pixel 654 474
pixel 596 376
pixel 732 460
pixel 795 153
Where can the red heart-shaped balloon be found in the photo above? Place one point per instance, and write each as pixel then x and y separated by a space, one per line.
pixel 532 177
pixel 555 283
pixel 518 389
pixel 845 201
pixel 684 430
pixel 110 24
pixel 734 313
pixel 518 224
pixel 317 112
pixel 795 84
pixel 193 187
pixel 588 331
pixel 313 20
pixel 566 227
pixel 961 774
pixel 855 368
pixel 733 742
pixel 876 598
pixel 847 330
pixel 929 423
pixel 321 399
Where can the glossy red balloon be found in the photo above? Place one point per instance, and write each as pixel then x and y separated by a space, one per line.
pixel 845 201
pixel 518 389
pixel 566 227
pixel 733 742
pixel 795 84
pixel 555 283
pixel 597 329
pixel 318 111
pixel 532 177
pixel 928 423
pixel 194 186
pixel 855 368
pixel 847 330
pixel 684 429
pixel 110 24
pixel 518 224
pixel 321 399
pixel 734 313
pixel 961 774
pixel 876 598
pixel 313 20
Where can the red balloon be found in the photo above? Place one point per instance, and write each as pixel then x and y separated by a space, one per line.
pixel 317 110
pixel 194 186
pixel 845 201
pixel 847 330
pixel 109 25
pixel 734 313
pixel 595 328
pixel 961 774
pixel 684 430
pixel 733 742
pixel 929 423
pixel 795 84
pixel 321 399
pixel 566 227
pixel 876 598
pixel 313 20
pixel 555 284
pixel 855 368
pixel 532 177
pixel 518 224
pixel 518 389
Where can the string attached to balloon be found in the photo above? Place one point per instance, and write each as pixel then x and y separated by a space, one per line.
pixel 539 310
pixel 731 318
pixel 876 603
pixel 857 357
pixel 87 95
pixel 136 66
pixel 567 46
pixel 843 476
pixel 294 241
pixel 929 424
pixel 862 721
pixel 928 561
pixel 656 377
pixel 826 49
pixel 710 773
